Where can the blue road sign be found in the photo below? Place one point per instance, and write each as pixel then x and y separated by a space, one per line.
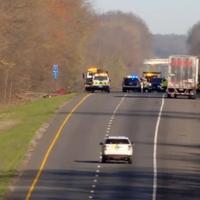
pixel 55 71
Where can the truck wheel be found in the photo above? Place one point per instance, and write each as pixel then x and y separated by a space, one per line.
pixel 124 90
pixel 169 95
pixel 130 160
pixel 145 90
pixel 192 97
pixel 108 90
pixel 103 159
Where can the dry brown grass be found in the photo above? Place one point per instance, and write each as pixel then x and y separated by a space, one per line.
pixel 8 123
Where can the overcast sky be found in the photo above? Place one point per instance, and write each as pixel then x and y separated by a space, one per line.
pixel 161 16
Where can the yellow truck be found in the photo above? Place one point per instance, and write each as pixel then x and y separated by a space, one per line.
pixel 88 78
pixel 96 79
pixel 150 75
pixel 151 81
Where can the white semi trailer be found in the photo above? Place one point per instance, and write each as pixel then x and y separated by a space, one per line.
pixel 182 76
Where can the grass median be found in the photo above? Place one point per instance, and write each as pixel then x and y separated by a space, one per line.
pixel 18 126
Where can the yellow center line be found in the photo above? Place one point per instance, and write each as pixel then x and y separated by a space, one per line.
pixel 51 146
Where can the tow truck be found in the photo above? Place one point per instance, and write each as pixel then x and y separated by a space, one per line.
pixel 96 79
pixel 88 77
pixel 152 81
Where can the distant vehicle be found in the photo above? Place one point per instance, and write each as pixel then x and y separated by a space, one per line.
pixel 151 74
pixel 150 78
pixel 183 76
pixel 96 79
pixel 156 84
pixel 131 83
pixel 198 86
pixel 117 148
pixel 88 77
pixel 101 82
pixel 145 85
pixel 164 84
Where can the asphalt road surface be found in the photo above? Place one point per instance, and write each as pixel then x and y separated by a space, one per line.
pixel 71 169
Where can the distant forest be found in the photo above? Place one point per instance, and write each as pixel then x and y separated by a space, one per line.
pixel 169 44
pixel 34 35
pixel 193 40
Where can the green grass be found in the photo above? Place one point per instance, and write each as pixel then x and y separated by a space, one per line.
pixel 15 139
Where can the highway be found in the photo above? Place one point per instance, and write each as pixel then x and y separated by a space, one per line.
pixel 71 169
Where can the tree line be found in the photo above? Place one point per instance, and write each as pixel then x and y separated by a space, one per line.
pixel 165 45
pixel 36 34
pixel 193 40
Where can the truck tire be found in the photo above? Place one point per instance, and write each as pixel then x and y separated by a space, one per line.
pixel 169 95
pixel 124 90
pixel 103 159
pixel 192 97
pixel 130 160
pixel 108 90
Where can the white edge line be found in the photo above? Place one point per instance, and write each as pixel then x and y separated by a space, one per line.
pixel 155 150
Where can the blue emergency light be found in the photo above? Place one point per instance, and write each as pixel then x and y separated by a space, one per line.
pixel 133 76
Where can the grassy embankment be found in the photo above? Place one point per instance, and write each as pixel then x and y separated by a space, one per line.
pixel 18 125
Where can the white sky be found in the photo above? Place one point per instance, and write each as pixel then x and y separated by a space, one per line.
pixel 161 16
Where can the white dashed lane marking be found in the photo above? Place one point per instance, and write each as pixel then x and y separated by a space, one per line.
pixel 91 196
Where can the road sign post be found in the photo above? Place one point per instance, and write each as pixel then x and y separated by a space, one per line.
pixel 55 71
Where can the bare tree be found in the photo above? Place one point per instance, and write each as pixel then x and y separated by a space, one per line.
pixel 36 34
pixel 193 40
